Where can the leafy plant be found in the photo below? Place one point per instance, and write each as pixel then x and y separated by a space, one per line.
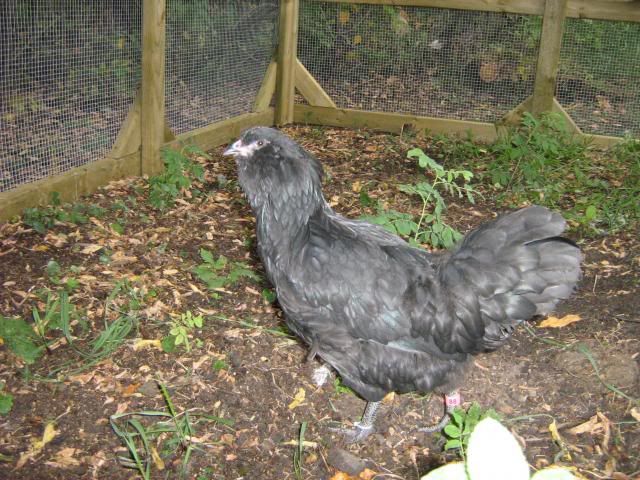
pixel 530 155
pixel 20 339
pixel 269 295
pixel 541 162
pixel 220 364
pixel 54 272
pixel 341 388
pixel 218 273
pixel 49 319
pixel 6 401
pixel 462 424
pixel 177 178
pixel 44 218
pixel 175 430
pixel 429 227
pixel 182 327
pixel 494 452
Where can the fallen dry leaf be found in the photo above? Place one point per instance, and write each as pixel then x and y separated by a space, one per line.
pixel 341 476
pixel 305 444
pixel 157 460
pixel 119 258
pixel 65 458
pixel 147 342
pixel 37 445
pixel 389 398
pixel 635 413
pixel 555 322
pixel 367 474
pixel 298 399
pixel 555 435
pixel 346 476
pixel 91 248
pixel 590 426
pixel 130 390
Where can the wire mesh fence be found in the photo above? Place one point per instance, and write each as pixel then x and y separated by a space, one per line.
pixel 69 71
pixel 468 65
pixel 217 55
pixel 435 62
pixel 599 81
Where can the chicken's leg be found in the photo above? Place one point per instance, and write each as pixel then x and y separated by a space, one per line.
pixel 363 428
pixel 451 401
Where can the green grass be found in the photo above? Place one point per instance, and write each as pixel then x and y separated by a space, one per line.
pixel 60 319
pixel 171 431
pixel 298 459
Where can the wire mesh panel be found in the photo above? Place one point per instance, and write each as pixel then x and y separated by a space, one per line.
pixel 436 62
pixel 217 54
pixel 599 81
pixel 69 72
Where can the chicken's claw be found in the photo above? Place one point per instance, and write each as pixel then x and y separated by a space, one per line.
pixel 355 434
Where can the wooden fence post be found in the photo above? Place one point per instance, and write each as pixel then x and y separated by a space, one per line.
pixel 152 110
pixel 555 12
pixel 287 54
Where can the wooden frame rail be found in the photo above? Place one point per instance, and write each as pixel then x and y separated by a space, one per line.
pixel 620 10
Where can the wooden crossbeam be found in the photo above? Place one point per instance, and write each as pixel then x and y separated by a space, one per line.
pixel 310 89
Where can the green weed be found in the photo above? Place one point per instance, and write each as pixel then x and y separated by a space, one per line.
pixel 178 177
pixel 429 227
pixel 280 331
pixel 269 295
pixel 55 274
pixel 121 305
pixel 20 338
pixel 458 431
pixel 299 452
pixel 341 388
pixel 51 317
pixel 218 273
pixel 220 364
pixel 6 401
pixel 44 218
pixel 182 328
pixel 175 432
pixel 541 162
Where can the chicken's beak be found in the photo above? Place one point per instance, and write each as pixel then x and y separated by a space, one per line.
pixel 234 149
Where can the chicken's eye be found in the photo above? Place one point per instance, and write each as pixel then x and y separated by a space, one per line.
pixel 260 143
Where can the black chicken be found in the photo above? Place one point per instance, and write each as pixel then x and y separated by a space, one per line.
pixel 388 316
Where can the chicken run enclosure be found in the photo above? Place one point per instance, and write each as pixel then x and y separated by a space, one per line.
pixel 91 91
pixel 142 327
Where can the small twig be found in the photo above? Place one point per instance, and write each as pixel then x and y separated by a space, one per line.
pixel 632 320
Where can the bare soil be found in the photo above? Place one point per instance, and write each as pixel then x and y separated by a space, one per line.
pixel 251 374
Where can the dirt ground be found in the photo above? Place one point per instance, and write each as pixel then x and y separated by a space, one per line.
pixel 246 371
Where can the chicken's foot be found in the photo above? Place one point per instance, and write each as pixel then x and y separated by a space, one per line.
pixel 363 428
